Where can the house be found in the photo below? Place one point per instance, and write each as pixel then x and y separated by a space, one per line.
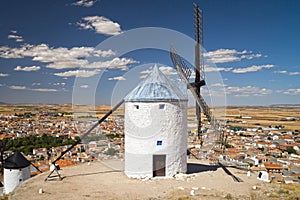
pixel 273 167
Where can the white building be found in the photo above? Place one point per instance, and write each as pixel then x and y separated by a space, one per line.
pixel 16 170
pixel 156 128
pixel 263 176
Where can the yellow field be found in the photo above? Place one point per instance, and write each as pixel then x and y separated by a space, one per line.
pixel 266 116
pixel 243 116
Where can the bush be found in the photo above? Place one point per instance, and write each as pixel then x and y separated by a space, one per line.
pixel 111 151
pixel 228 196
pixel 291 150
pixel 228 146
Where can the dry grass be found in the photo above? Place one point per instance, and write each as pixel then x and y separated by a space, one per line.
pixel 277 192
pixel 265 116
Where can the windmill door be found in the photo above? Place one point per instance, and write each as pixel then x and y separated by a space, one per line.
pixel 159 165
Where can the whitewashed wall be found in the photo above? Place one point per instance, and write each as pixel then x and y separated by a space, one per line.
pixel 14 177
pixel 149 124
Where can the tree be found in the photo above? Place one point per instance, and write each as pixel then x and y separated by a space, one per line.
pixel 291 150
pixel 229 146
pixel 28 143
pixel 111 151
pixel 261 148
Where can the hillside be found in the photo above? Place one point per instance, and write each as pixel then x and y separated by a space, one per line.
pixel 107 181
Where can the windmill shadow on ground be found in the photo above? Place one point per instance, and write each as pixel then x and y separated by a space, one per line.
pixel 196 168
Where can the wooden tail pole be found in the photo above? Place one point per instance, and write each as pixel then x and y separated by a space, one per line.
pixel 84 136
pixel 36 167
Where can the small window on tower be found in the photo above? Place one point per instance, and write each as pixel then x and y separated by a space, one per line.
pixel 161 106
pixel 159 143
pixel 137 107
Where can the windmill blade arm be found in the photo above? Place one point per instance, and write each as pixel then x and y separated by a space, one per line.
pixel 181 68
pixel 201 102
pixel 180 64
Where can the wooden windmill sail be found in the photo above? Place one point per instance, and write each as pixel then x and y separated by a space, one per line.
pixel 185 72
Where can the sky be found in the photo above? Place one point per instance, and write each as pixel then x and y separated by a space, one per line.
pixel 60 50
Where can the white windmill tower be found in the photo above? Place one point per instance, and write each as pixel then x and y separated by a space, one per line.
pixel 16 170
pixel 156 127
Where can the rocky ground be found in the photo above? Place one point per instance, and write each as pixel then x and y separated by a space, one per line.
pixel 106 180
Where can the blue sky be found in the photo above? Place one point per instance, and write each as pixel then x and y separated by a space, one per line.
pixel 44 45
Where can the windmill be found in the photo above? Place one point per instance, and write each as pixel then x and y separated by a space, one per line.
pixel 185 73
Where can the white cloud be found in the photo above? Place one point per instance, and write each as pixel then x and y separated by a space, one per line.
pixel 101 53
pixel 116 63
pixel 143 76
pixel 294 73
pixel 3 75
pixel 33 84
pixel 44 53
pixel 217 69
pixel 6 52
pixel 229 55
pixel 17 87
pixel 56 58
pixel 286 72
pixel 247 91
pixel 166 70
pixel 101 25
pixel 295 91
pixel 84 3
pixel 44 90
pixel 281 72
pixel 84 86
pixel 14 36
pixel 68 64
pixel 59 84
pixel 78 73
pixel 253 68
pixel 117 78
pixel 64 58
pixel 27 69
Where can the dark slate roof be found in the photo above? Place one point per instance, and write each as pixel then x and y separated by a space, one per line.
pixel 16 161
pixel 157 87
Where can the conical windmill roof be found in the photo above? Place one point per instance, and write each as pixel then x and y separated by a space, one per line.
pixel 16 161
pixel 157 87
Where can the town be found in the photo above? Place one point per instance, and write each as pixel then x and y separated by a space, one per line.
pixel 20 130
pixel 251 141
